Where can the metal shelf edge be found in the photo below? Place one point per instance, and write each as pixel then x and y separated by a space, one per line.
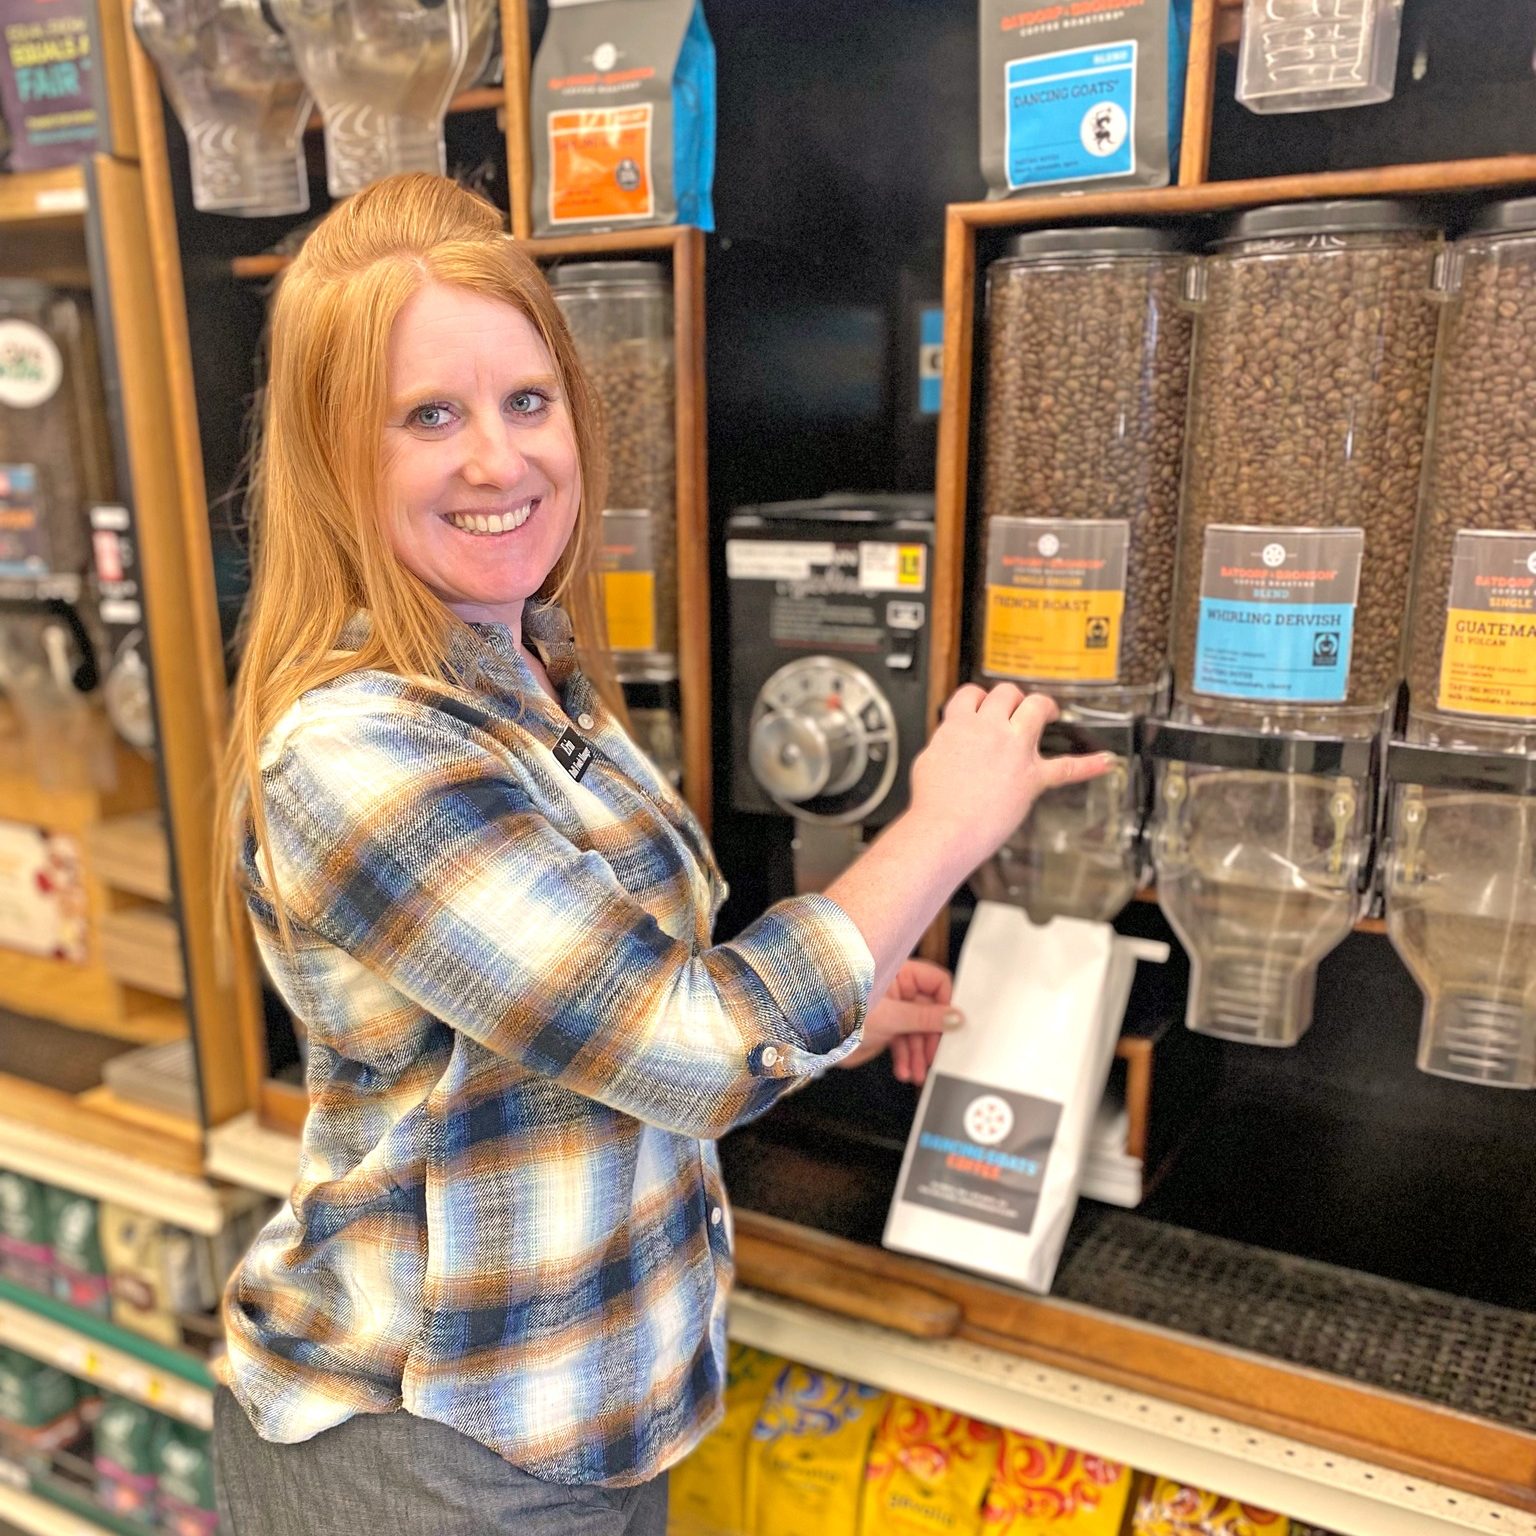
pixel 1350 1496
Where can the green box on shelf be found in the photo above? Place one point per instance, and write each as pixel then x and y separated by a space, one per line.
pixel 26 1238
pixel 185 1469
pixel 33 1394
pixel 126 1440
pixel 79 1270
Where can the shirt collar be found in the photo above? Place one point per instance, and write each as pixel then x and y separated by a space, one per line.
pixel 546 628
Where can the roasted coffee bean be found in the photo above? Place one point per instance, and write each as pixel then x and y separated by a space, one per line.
pixel 1482 470
pixel 1310 390
pixel 1087 370
pixel 635 386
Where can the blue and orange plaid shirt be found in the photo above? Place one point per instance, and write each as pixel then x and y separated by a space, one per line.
pixel 509 1214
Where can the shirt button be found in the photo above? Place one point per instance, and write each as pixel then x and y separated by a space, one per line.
pixel 770 1055
pixel 586 722
pixel 716 1216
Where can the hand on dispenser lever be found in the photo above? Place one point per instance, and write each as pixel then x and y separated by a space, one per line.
pixel 909 1019
pixel 972 785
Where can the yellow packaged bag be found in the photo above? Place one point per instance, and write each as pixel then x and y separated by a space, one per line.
pixel 929 1471
pixel 805 1471
pixel 707 1491
pixel 1046 1489
pixel 1168 1508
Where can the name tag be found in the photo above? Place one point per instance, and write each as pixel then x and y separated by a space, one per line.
pixel 573 754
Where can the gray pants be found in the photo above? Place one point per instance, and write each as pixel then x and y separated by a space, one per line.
pixel 392 1474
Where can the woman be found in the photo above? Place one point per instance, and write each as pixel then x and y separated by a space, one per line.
pixel 493 918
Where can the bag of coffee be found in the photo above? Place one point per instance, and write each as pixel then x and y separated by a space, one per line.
pixel 47 90
pixel 996 1153
pixel 1081 91
pixel 623 114
pixel 929 1471
pixel 1046 1489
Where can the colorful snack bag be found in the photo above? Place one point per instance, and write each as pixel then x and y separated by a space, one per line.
pixel 805 1471
pixel 708 1491
pixel 1168 1508
pixel 1045 1489
pixel 929 1471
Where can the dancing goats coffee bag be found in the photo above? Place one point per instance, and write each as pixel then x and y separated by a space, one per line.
pixel 623 115
pixel 1081 91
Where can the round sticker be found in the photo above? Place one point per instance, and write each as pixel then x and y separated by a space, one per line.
pixel 31 369
pixel 1048 544
pixel 1274 554
pixel 605 57
pixel 988 1120
pixel 1104 129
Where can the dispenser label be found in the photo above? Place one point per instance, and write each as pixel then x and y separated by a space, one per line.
pixel 627 561
pixel 1277 613
pixel 981 1152
pixel 23 537
pixel 31 366
pixel 1070 115
pixel 600 164
pixel 1055 599
pixel 1488 666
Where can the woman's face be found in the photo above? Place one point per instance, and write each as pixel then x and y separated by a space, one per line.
pixel 480 475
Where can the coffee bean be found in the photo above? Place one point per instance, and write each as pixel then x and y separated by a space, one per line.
pixel 1309 394
pixel 1482 470
pixel 623 333
pixel 1087 367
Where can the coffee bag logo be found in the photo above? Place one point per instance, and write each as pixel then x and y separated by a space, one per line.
pixel 31 368
pixel 1530 563
pixel 1274 554
pixel 1104 129
pixel 1325 648
pixel 605 57
pixel 1049 544
pixel 988 1120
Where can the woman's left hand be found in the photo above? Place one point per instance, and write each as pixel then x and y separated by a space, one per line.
pixel 909 1019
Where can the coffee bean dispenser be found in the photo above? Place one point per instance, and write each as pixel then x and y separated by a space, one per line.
pixel 830 616
pixel 1313 354
pixel 620 315
pixel 1087 373
pixel 1461 875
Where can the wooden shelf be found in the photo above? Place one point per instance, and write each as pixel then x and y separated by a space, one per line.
pixel 92 1348
pixel 41 1517
pixel 80 1143
pixel 85 997
pixel 43 197
pixel 1257 1465
pixel 483 98
pixel 130 853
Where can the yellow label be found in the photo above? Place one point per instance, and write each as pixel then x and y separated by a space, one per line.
pixel 600 164
pixel 1488 666
pixel 1053 636
pixel 629 599
pixel 909 565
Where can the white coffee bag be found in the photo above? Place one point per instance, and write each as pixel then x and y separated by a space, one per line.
pixel 995 1157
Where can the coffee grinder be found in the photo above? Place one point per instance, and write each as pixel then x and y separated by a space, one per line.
pixel 830 617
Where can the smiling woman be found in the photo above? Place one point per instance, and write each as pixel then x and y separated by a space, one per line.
pixel 495 1299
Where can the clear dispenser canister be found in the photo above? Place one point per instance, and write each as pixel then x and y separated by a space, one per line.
pixel 1087 371
pixel 383 73
pixel 1313 355
pixel 1461 879
pixel 620 315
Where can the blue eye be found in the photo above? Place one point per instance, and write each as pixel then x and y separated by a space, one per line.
pixel 429 416
pixel 528 402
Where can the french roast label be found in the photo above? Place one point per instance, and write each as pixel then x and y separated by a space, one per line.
pixel 1277 613
pixel 981 1153
pixel 1055 599
pixel 1488 665
pixel 627 561
pixel 31 368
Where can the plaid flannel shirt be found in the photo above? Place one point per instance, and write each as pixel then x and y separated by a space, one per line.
pixel 509 1214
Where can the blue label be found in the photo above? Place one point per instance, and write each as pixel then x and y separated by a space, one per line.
pixel 1296 652
pixel 930 360
pixel 1070 115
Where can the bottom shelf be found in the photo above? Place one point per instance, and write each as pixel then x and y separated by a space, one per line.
pixel 25 1511
pixel 1342 1493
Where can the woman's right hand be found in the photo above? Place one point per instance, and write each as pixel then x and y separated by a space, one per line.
pixel 982 770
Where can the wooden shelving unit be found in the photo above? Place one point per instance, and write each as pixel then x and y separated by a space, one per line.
pixel 34 198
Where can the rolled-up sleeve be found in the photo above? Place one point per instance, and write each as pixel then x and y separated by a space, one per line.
pixel 418 852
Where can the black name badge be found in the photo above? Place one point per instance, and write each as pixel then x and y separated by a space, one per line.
pixel 573 754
